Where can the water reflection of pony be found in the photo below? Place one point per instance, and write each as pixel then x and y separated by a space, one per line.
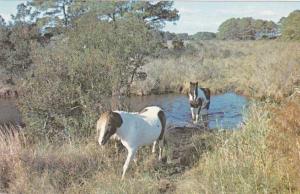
pixel 133 129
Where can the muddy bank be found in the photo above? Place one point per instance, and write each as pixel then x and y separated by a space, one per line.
pixel 9 113
pixel 184 146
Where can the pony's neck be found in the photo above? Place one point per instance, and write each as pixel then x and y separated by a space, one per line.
pixel 196 93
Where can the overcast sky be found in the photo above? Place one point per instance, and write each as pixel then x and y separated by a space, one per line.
pixel 198 16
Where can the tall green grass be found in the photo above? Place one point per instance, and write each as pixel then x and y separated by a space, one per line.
pixel 245 162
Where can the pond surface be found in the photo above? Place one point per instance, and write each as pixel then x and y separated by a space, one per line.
pixel 226 110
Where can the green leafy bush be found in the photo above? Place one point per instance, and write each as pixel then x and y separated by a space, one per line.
pixel 78 71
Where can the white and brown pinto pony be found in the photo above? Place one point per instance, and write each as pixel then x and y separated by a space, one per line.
pixel 199 100
pixel 133 129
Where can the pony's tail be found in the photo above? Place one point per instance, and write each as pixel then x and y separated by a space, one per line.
pixel 162 118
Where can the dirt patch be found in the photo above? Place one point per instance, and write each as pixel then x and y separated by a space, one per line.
pixel 182 143
pixel 184 147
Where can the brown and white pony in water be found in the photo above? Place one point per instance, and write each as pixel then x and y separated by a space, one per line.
pixel 199 100
pixel 133 129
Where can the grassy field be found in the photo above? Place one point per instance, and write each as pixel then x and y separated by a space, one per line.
pixel 262 157
pixel 260 69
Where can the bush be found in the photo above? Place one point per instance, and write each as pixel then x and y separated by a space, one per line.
pixel 77 73
pixel 178 44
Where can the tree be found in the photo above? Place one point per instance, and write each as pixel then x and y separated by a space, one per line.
pixel 204 36
pixel 15 42
pixel 51 10
pixel 291 26
pixel 158 13
pixel 2 22
pixel 246 28
pixel 155 14
pixel 228 29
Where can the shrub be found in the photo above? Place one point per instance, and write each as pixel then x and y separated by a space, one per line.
pixel 77 73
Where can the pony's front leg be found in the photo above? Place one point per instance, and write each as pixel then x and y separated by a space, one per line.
pixel 130 156
pixel 193 116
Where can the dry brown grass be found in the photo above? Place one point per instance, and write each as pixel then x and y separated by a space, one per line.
pixel 261 69
pixel 285 141
pixel 263 157
pixel 10 151
pixel 85 167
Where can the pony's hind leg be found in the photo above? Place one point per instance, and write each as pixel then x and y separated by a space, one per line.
pixel 154 146
pixel 161 146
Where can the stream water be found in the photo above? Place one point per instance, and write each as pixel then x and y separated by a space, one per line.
pixel 226 110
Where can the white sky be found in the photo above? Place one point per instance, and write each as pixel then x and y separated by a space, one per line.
pixel 198 16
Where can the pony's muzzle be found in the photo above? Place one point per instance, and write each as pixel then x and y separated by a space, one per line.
pixel 103 141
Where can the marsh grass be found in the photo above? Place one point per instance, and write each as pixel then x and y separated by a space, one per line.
pixel 86 167
pixel 256 159
pixel 10 148
pixel 262 157
pixel 260 69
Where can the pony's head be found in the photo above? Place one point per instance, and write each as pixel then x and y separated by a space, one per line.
pixel 193 90
pixel 107 125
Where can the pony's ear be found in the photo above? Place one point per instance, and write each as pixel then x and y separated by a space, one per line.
pixel 117 119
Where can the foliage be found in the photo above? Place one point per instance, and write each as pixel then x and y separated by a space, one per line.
pixel 78 71
pixel 204 36
pixel 291 26
pixel 15 47
pixel 50 10
pixel 178 44
pixel 244 28
pixel 155 14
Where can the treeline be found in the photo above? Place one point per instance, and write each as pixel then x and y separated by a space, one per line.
pixel 185 36
pixel 248 29
pixel 251 29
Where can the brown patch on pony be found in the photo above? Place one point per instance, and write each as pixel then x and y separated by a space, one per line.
pixel 114 121
pixel 162 118
pixel 206 92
